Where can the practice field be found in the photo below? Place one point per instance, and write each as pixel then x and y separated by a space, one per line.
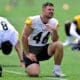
pixel 16 13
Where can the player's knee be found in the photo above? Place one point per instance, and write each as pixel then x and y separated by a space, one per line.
pixel 33 70
pixel 33 74
pixel 59 44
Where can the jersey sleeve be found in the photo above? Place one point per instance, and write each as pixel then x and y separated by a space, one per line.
pixel 77 18
pixel 54 22
pixel 28 22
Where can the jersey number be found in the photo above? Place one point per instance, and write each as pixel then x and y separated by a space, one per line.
pixel 38 37
pixel 4 25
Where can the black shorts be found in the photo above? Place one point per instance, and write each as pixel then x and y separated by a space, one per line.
pixel 40 52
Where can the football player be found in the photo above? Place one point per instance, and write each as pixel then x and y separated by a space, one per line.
pixel 9 38
pixel 72 29
pixel 35 37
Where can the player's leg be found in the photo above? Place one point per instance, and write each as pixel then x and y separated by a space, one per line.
pixel 67 32
pixel 56 49
pixel 32 67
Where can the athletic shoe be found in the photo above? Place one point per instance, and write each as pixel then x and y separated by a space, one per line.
pixel 58 74
pixel 67 43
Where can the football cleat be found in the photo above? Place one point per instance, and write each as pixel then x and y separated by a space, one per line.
pixel 58 74
pixel 67 43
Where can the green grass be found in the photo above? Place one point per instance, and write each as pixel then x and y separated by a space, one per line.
pixel 17 15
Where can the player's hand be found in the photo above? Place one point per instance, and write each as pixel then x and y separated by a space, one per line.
pixel 22 64
pixel 49 27
pixel 31 56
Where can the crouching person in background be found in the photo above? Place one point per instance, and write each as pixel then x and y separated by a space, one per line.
pixel 9 38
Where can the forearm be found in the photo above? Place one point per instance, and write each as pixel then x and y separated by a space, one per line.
pixel 26 32
pixel 54 35
pixel 25 45
pixel 19 51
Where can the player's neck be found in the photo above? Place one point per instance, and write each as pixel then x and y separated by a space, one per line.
pixel 44 19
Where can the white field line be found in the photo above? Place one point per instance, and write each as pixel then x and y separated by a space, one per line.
pixel 19 73
pixel 59 79
pixel 14 72
pixel 53 78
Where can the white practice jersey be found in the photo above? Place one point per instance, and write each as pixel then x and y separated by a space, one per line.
pixel 7 32
pixel 40 33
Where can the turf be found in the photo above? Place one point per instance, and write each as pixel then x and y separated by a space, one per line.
pixel 17 14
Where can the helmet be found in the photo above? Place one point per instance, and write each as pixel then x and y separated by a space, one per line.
pixel 6 47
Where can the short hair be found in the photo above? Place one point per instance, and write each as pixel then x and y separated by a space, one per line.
pixel 6 47
pixel 47 4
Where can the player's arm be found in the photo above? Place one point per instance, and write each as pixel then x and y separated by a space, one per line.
pixel 57 26
pixel 26 32
pixel 19 52
pixel 73 31
pixel 54 34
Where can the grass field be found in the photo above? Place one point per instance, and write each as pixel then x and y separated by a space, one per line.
pixel 64 10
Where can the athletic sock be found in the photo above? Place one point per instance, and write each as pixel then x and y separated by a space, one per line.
pixel 56 67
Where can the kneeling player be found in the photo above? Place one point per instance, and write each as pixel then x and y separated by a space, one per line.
pixel 72 29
